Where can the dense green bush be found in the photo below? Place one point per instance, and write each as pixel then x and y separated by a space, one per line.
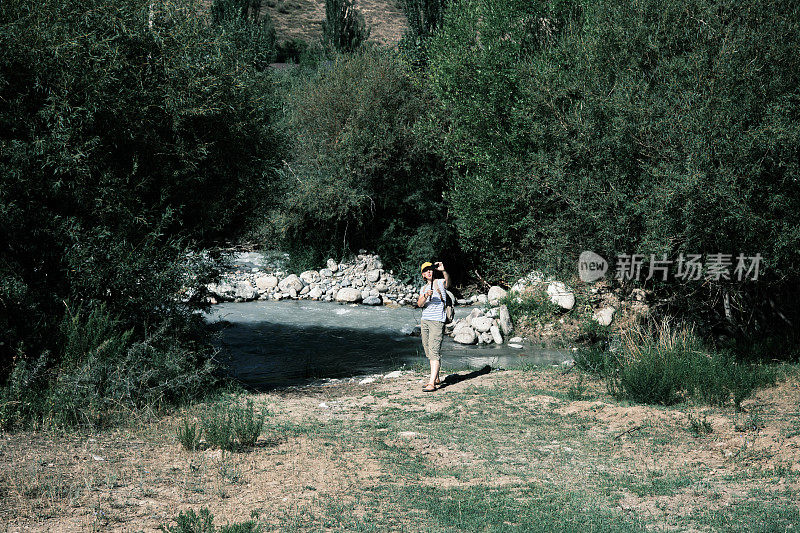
pixel 665 365
pixel 361 174
pixel 129 131
pixel 626 127
pixel 232 427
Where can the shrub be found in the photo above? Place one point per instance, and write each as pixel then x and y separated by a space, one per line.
pixel 130 130
pixel 232 427
pixel 699 427
pixel 203 522
pixel 664 365
pixel 291 50
pixel 594 334
pixel 362 175
pixel 189 435
pixel 191 522
pixel 530 308
pixel 217 426
pixel 247 425
pixel 594 359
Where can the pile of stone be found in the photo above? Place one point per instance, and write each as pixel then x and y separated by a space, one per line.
pixel 364 281
pixel 482 327
pixel 561 295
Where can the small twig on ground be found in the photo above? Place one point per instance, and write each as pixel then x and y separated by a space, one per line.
pixel 637 428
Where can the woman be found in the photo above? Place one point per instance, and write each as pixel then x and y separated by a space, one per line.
pixel 432 297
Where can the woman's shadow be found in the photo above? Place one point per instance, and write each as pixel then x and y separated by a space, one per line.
pixel 452 379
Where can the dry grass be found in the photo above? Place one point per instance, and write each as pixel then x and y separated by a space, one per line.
pixel 387 455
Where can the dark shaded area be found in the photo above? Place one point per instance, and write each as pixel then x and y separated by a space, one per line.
pixel 264 355
pixel 452 379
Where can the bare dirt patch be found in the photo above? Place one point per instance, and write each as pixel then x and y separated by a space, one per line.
pixel 342 443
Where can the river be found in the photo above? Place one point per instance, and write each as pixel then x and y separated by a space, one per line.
pixel 267 344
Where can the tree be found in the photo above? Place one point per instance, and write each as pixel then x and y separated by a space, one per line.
pixel 344 29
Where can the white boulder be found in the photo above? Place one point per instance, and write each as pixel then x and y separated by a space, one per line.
pixel 291 282
pixel 496 336
pixel 245 291
pixel 348 295
pixel 310 276
pixel 466 336
pixel 315 293
pixel 561 295
pixel 265 283
pixel 495 294
pixel 482 324
pixel 504 320
pixel 605 316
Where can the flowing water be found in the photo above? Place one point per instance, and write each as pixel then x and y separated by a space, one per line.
pixel 271 344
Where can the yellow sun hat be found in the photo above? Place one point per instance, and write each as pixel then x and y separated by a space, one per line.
pixel 425 265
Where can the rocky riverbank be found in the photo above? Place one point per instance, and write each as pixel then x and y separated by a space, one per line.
pixel 365 281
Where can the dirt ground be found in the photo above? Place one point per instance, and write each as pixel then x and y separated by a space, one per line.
pixel 327 444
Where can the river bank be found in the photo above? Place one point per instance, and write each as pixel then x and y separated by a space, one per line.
pixel 537 450
pixel 544 308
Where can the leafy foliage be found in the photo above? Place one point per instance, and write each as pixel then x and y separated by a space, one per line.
pixel 665 365
pixel 361 174
pixel 129 132
pixel 232 427
pixel 624 127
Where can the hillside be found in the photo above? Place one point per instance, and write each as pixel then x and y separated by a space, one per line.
pixel 303 19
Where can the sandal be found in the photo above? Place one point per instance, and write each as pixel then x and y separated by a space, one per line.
pixel 430 387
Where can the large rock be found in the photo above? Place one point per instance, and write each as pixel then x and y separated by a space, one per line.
pixel 495 294
pixel 325 273
pixel 605 316
pixel 348 295
pixel 222 290
pixel 245 291
pixel 310 276
pixel 466 336
pixel 265 283
pixel 373 300
pixel 495 331
pixel 291 282
pixel 374 275
pixel 315 293
pixel 561 295
pixel 504 319
pixel 482 323
pixel 332 265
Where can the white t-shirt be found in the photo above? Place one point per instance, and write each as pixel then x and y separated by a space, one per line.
pixel 434 306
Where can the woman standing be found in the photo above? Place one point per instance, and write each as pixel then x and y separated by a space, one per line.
pixel 432 297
